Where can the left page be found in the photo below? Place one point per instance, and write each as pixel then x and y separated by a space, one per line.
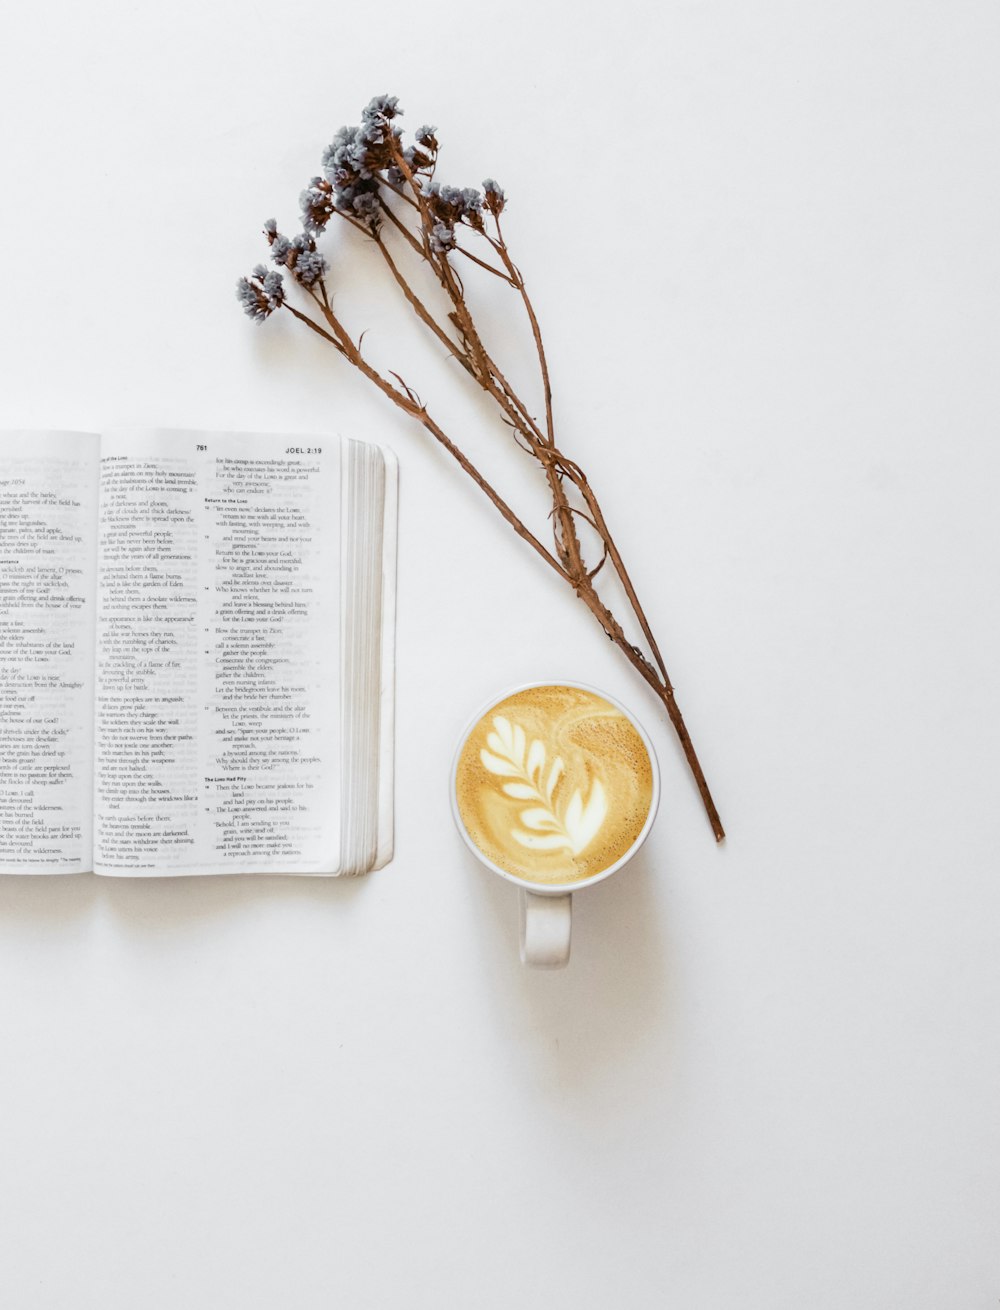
pixel 48 576
pixel 218 654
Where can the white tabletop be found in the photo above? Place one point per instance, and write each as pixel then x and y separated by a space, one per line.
pixel 762 243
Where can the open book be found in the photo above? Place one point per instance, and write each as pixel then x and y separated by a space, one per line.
pixel 196 653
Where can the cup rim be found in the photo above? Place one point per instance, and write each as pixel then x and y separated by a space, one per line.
pixel 559 888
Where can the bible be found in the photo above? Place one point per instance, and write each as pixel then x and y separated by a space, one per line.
pixel 196 653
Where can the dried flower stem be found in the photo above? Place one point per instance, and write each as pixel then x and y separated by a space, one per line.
pixel 365 167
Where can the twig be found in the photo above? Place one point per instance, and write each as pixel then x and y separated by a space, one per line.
pixel 358 176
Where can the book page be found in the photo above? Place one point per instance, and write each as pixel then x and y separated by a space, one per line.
pixel 48 572
pixel 218 653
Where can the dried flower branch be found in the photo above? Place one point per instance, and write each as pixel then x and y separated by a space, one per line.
pixel 388 191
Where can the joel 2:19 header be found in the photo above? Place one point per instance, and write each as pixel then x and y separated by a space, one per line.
pixel 292 450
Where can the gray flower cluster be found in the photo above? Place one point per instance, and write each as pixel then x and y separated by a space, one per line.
pixel 355 164
pixel 299 255
pixel 316 204
pixel 351 165
pixel 450 206
pixel 495 198
pixel 381 107
pixel 442 238
pixel 261 293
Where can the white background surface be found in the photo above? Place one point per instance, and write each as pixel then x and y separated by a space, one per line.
pixel 762 240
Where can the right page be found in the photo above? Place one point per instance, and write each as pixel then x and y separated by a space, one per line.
pixel 218 655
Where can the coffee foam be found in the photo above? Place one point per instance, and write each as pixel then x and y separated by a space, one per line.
pixel 554 784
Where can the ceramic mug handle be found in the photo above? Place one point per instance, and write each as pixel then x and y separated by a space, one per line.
pixel 546 925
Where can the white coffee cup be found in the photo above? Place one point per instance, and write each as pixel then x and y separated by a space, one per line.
pixel 546 911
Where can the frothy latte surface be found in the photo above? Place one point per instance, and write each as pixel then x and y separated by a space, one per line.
pixel 554 784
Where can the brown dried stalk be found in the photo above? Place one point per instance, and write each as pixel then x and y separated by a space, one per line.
pixel 369 173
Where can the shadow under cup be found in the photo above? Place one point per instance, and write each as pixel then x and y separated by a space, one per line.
pixel 554 787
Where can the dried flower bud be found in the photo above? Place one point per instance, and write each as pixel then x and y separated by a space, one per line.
pixel 310 266
pixel 451 205
pixel 305 261
pixel 281 248
pixel 371 131
pixel 358 153
pixel 495 198
pixel 261 293
pixel 381 107
pixel 426 136
pixel 450 201
pixel 300 256
pixel 366 208
pixel 336 157
pixel 442 238
pixel 472 208
pixel 416 159
pixel 316 203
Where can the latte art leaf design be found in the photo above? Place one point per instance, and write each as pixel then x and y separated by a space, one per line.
pixel 550 825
